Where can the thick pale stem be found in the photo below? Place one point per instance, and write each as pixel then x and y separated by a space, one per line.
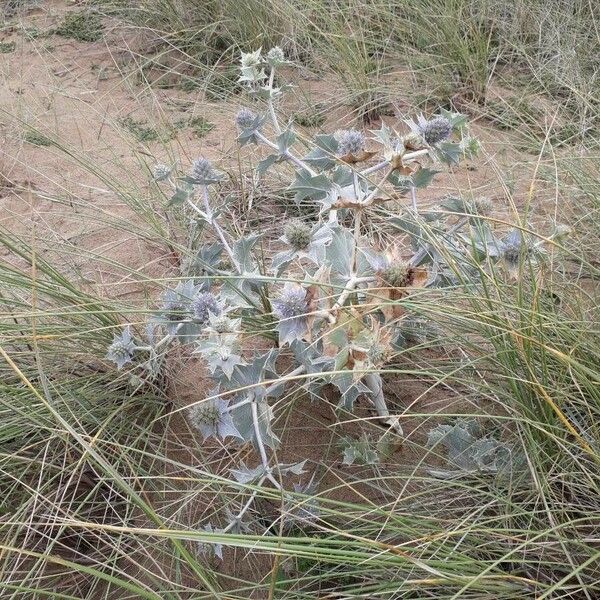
pixel 375 168
pixel 244 508
pixel 261 446
pixel 413 199
pixel 352 283
pixel 297 371
pixel 375 385
pixel 239 404
pixel 357 219
pixel 270 103
pixel 297 161
pixel 348 289
pixel 371 197
pixel 208 215
pixel 356 184
pixel 408 157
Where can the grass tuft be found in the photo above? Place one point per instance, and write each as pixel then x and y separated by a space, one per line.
pixel 83 26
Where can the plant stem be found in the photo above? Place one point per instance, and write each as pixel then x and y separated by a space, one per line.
pixel 297 371
pixel 413 199
pixel 244 508
pixel 238 404
pixel 208 216
pixel 348 289
pixel 259 441
pixel 369 199
pixel 270 102
pixel 357 219
pixel 375 168
pixel 409 156
pixel 297 161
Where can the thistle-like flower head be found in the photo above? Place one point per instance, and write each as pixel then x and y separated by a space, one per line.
pixel 298 234
pixel 376 354
pixel 275 56
pixel 212 418
pixel 469 146
pixel 245 118
pixel 436 130
pixel 483 206
pixel 514 247
pixel 203 305
pixel 160 172
pixel 291 308
pixel 350 142
pixel 204 172
pixel 122 348
pixel 396 274
pixel 221 323
pixel 291 302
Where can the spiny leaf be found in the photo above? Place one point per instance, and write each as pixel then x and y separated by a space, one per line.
pixel 308 186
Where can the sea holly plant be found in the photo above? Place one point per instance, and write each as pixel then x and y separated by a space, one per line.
pixel 469 450
pixel 333 300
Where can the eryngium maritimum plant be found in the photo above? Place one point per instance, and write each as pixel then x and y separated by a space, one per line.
pixel 342 310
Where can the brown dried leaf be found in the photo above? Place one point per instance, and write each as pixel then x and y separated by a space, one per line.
pixel 352 158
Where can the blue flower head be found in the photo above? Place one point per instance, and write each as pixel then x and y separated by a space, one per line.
pixel 203 305
pixel 514 247
pixel 203 172
pixel 432 131
pixel 245 118
pixel 437 130
pixel 350 142
pixel 291 307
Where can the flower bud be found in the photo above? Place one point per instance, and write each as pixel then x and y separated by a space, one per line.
pixel 203 304
pixel 160 172
pixel 412 141
pixel 298 234
pixel 223 324
pixel 245 118
pixel 291 303
pixel 202 169
pixel 212 418
pixel 120 351
pixel 396 275
pixel 275 56
pixel 437 130
pixel 483 206
pixel 122 348
pixel 350 142
pixel 376 354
